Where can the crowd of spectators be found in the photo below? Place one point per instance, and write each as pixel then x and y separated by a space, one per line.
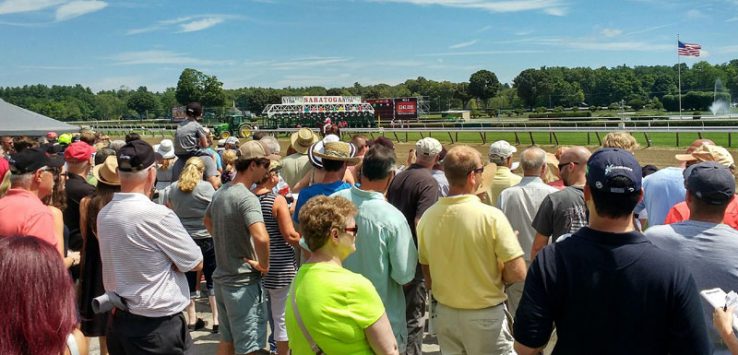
pixel 336 247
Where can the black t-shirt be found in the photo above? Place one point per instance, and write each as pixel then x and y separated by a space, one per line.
pixel 610 294
pixel 413 191
pixel 76 189
pixel 561 212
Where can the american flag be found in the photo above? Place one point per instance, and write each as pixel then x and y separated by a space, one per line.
pixel 689 49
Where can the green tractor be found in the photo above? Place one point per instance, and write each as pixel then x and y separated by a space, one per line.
pixel 233 124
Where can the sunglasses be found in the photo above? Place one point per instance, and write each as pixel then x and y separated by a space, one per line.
pixel 353 230
pixel 477 171
pixel 565 164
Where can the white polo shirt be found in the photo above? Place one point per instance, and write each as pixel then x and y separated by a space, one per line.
pixel 145 251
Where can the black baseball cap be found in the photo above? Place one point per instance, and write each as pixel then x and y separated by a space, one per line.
pixel 606 164
pixel 711 182
pixel 135 156
pixel 31 159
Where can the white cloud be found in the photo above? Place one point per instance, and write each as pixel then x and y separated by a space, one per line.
pixel 17 6
pixel 695 14
pixel 523 33
pixel 200 25
pixel 463 44
pixel 551 7
pixel 78 8
pixel 611 32
pixel 162 57
pixel 728 49
pixel 186 24
pixel 637 46
pixel 307 62
pixel 473 53
pixel 649 29
pixel 484 29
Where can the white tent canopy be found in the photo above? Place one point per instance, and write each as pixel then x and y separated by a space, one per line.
pixel 17 121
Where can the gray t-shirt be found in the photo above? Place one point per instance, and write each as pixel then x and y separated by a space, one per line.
pixel 233 209
pixel 190 207
pixel 210 168
pixel 561 212
pixel 187 137
pixel 708 250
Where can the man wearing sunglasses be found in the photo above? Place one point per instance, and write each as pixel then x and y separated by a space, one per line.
pixel 564 211
pixel 23 212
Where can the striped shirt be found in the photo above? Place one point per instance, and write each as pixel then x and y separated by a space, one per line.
pixel 145 251
pixel 282 261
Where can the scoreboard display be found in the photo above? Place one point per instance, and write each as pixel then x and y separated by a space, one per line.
pixel 398 108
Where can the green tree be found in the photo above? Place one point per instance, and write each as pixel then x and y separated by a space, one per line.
pixel 483 85
pixel 142 101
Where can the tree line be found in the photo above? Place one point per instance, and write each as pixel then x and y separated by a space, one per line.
pixel 652 87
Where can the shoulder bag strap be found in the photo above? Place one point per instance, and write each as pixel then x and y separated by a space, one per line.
pixel 314 346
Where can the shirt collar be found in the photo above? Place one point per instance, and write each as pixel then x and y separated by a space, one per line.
pixel 458 199
pixel 129 196
pixel 600 237
pixel 530 180
pixel 367 195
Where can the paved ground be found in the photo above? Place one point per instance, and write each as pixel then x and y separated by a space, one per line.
pixel 206 343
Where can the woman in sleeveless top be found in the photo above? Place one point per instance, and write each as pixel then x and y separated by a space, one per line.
pixel 189 197
pixel 39 314
pixel 282 260
pixel 91 273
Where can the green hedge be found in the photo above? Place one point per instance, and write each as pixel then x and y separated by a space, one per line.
pixel 555 115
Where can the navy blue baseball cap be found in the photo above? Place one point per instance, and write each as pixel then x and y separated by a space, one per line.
pixel 608 163
pixel 711 182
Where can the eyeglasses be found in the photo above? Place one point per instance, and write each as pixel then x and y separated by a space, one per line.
pixel 565 164
pixel 353 230
pixel 264 162
pixel 477 171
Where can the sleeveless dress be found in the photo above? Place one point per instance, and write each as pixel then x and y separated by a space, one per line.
pixel 282 261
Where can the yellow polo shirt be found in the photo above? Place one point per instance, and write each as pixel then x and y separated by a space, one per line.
pixel 503 179
pixel 465 242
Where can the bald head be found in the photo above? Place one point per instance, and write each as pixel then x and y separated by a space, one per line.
pixel 532 160
pixel 573 165
pixel 577 154
pixel 698 143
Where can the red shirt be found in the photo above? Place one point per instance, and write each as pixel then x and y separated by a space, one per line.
pixel 23 214
pixel 680 212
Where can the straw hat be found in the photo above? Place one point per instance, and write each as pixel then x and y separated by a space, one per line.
pixel 106 172
pixel 338 151
pixel 303 139
pixel 165 148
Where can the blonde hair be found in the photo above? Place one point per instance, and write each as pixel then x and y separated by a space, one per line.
pixel 459 162
pixel 165 163
pixel 620 139
pixel 321 214
pixel 5 183
pixel 229 157
pixel 191 174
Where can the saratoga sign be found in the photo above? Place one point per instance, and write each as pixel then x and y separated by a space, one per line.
pixel 305 100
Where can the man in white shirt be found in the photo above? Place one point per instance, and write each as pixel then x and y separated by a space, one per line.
pixel 145 252
pixel 520 205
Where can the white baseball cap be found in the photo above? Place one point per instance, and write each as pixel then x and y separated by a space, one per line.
pixel 502 149
pixel 428 146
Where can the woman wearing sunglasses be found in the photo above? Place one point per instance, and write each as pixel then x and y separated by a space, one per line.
pixel 329 309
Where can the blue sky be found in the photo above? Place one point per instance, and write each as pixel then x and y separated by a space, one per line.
pixel 279 43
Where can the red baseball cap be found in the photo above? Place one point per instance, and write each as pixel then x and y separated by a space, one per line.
pixel 51 135
pixel 79 151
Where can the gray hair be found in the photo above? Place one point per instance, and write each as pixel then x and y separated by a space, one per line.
pixel 532 160
pixel 272 144
pixel 498 160
pixel 21 180
pixel 134 175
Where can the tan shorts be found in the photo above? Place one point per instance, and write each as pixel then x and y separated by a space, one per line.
pixel 473 331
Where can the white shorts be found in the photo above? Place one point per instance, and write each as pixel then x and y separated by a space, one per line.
pixel 278 297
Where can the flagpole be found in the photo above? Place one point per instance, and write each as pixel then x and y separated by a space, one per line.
pixel 679 75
